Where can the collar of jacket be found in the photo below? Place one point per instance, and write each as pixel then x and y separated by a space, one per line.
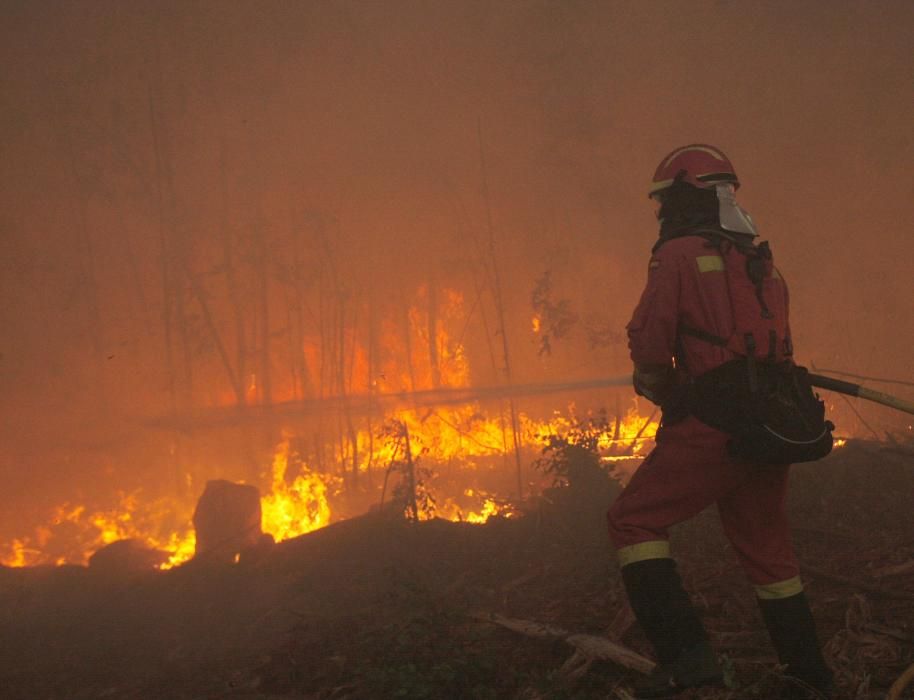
pixel 709 232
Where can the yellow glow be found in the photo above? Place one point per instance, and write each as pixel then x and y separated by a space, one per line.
pixel 297 499
pixel 290 510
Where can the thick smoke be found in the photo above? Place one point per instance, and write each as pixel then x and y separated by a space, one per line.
pixel 365 151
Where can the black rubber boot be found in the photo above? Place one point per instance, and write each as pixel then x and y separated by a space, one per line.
pixel 671 624
pixel 695 667
pixel 793 632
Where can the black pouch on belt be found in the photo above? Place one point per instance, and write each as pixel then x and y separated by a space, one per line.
pixel 769 409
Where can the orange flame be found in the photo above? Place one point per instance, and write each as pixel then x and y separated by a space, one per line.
pixel 73 534
pixel 460 448
pixel 290 510
pixel 298 503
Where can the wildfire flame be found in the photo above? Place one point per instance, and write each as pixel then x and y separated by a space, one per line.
pixel 449 510
pixel 73 533
pixel 301 502
pixel 455 449
pixel 290 510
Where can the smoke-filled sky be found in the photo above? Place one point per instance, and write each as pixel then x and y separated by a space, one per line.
pixel 360 147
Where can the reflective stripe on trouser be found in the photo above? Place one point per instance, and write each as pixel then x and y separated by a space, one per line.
pixel 656 549
pixel 689 470
pixel 779 589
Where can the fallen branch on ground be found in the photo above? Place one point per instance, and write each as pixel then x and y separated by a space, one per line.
pixel 587 646
pixel 895 569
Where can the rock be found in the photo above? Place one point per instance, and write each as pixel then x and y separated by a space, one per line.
pixel 126 557
pixel 227 521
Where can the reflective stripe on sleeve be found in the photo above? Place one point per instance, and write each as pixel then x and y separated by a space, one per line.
pixel 780 589
pixel 710 263
pixel 656 549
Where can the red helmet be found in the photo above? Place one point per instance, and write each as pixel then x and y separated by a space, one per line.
pixel 701 165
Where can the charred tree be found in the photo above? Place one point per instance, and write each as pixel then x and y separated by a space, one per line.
pixel 263 304
pixel 372 383
pixel 199 294
pixel 297 323
pixel 500 310
pixel 408 345
pixel 166 274
pixel 88 280
pixel 411 504
pixel 433 358
pixel 187 386
pixel 231 284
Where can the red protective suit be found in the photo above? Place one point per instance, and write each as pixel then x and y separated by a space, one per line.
pixel 690 467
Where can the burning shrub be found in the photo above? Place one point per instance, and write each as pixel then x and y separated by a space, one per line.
pixel 585 474
pixel 412 490
pixel 573 456
pixel 588 449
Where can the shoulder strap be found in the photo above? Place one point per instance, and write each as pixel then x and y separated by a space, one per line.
pixel 685 329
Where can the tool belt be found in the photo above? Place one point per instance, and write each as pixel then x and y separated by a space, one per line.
pixel 769 409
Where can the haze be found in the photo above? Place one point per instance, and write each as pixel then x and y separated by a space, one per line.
pixel 354 152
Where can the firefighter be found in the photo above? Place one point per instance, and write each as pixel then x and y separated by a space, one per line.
pixel 682 328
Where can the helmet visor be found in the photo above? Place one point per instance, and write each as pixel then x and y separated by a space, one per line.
pixel 732 216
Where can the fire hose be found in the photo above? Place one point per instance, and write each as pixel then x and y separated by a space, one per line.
pixel 842 387
pixel 376 403
pixel 817 380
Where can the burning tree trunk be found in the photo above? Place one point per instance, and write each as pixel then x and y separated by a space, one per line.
pixel 399 432
pixel 346 390
pixel 411 504
pixel 433 332
pixel 408 343
pixel 499 306
pixel 372 387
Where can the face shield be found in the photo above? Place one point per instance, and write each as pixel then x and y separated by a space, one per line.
pixel 733 218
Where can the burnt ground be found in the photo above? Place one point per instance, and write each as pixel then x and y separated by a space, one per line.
pixel 375 607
